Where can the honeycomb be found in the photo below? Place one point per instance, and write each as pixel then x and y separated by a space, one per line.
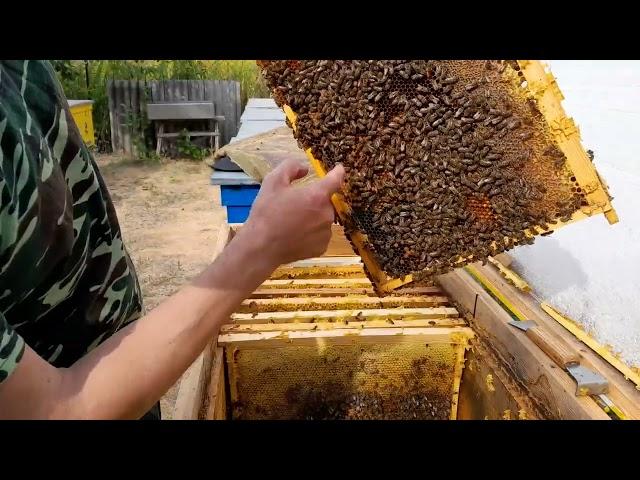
pixel 447 162
pixel 403 381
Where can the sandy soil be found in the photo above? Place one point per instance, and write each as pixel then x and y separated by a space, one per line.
pixel 170 216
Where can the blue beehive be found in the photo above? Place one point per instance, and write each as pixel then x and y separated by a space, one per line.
pixel 237 190
pixel 238 200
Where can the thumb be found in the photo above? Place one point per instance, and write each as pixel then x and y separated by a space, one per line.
pixel 287 172
pixel 332 181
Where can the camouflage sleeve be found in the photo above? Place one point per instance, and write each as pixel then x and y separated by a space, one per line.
pixel 11 348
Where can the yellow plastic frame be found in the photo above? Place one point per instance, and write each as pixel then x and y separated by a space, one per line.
pixel 542 86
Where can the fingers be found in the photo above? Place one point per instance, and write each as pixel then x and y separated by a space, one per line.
pixel 287 172
pixel 332 181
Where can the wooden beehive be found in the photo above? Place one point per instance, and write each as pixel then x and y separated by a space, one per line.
pixel 315 342
pixel 298 349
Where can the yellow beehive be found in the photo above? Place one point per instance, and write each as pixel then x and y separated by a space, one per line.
pixel 82 113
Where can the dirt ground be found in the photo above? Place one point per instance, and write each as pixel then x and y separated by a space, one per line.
pixel 170 216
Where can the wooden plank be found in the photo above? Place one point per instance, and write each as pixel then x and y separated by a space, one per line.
pixel 119 100
pixel 349 336
pixel 198 94
pixel 238 103
pixel 552 389
pixel 234 92
pixel 157 91
pixel 220 412
pixel 340 303
pixel 621 391
pixel 230 91
pixel 556 349
pixel 309 292
pixel 325 261
pixel 226 103
pixel 347 271
pixel 142 107
pixel 183 90
pixel 217 98
pixel 135 96
pixel 157 94
pixel 229 109
pixel 192 134
pixel 430 290
pixel 337 291
pixel 141 111
pixel 232 371
pixel 124 106
pixel 115 146
pixel 207 94
pixel 457 376
pixel 195 381
pixel 338 315
pixel 317 283
pixel 281 327
pixel 126 116
pixel 142 98
pixel 221 103
pixel 134 109
pixel 175 89
pixel 216 395
pixel 167 88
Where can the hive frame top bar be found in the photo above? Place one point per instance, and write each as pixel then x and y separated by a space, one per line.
pixel 542 85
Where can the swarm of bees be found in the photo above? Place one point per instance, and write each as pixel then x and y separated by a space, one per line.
pixel 447 162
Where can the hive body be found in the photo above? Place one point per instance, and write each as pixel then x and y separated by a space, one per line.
pixel 293 354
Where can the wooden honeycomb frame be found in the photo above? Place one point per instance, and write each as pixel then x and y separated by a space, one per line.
pixel 542 87
pixel 328 309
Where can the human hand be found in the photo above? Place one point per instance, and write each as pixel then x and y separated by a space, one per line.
pixel 290 222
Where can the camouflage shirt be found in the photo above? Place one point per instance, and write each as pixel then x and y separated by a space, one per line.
pixel 66 280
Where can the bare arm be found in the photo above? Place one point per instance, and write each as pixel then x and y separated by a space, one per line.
pixel 128 373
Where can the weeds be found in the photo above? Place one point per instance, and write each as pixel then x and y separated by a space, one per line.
pixel 87 79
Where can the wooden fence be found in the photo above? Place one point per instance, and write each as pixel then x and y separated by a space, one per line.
pixel 128 99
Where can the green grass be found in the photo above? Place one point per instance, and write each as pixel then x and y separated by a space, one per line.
pixel 72 74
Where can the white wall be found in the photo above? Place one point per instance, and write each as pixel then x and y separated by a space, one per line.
pixel 591 270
